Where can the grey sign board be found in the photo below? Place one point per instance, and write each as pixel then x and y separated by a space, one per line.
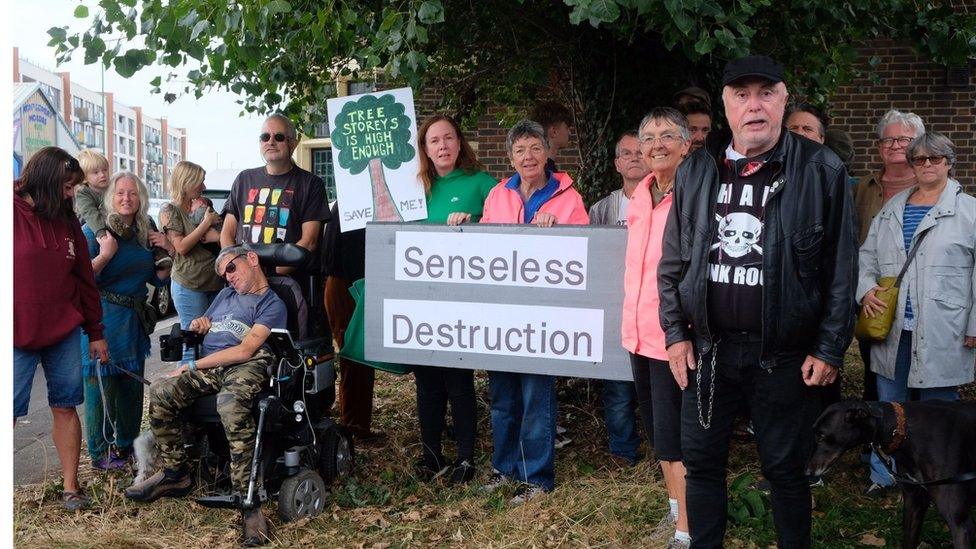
pixel 515 298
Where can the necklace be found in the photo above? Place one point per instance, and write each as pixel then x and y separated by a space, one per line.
pixel 259 289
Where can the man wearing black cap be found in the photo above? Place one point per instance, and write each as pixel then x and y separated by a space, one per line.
pixel 761 308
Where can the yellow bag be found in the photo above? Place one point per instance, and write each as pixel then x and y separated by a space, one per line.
pixel 877 328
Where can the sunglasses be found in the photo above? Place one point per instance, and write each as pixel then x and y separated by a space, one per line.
pixel 72 165
pixel 279 137
pixel 935 159
pixel 231 267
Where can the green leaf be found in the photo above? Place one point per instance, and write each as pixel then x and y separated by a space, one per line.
pixel 81 11
pixel 156 81
pixel 172 59
pixel 705 45
pixel 430 12
pixel 57 33
pixel 199 28
pixel 94 50
pixel 278 6
pixel 603 11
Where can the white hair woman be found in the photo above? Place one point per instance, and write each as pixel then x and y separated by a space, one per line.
pixel 123 265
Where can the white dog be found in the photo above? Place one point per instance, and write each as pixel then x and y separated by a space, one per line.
pixel 147 456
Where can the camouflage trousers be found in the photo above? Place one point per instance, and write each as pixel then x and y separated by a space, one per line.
pixel 235 386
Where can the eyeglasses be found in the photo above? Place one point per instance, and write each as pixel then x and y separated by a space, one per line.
pixel 231 267
pixel 890 141
pixel 628 154
pixel 935 160
pixel 279 137
pixel 666 139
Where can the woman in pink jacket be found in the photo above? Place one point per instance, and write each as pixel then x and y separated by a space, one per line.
pixel 665 141
pixel 523 406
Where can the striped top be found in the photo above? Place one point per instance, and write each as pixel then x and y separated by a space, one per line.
pixel 912 217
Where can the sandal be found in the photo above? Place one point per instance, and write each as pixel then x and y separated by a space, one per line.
pixel 75 501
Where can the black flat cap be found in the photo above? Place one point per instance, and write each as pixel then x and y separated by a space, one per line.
pixel 759 66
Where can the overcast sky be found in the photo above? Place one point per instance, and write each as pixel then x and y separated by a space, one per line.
pixel 215 130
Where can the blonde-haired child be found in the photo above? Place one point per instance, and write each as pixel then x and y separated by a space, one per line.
pixel 88 196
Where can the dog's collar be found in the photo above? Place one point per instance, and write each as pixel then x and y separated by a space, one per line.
pixel 899 433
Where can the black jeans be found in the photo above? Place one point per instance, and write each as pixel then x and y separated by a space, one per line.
pixel 435 387
pixel 777 399
pixel 870 378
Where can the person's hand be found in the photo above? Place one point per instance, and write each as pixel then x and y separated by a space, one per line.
pixel 817 372
pixel 970 342
pixel 200 325
pixel 107 245
pixel 871 304
pixel 180 370
pixel 157 239
pixel 211 218
pixel 681 358
pixel 99 349
pixel 457 218
pixel 544 219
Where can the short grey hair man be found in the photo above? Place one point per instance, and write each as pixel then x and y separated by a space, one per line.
pixel 291 131
pixel 894 116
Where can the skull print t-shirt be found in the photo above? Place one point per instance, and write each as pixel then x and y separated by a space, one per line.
pixel 735 259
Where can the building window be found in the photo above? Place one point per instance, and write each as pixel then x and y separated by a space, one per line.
pixel 322 167
pixel 132 127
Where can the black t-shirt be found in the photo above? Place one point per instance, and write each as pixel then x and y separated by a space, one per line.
pixel 735 260
pixel 343 253
pixel 272 208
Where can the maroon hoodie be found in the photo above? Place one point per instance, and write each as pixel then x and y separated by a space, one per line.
pixel 54 286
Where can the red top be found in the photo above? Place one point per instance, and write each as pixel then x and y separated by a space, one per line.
pixel 54 286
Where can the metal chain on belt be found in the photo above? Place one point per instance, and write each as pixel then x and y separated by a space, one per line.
pixel 711 390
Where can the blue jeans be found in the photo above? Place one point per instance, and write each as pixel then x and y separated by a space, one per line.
pixel 190 304
pixel 896 390
pixel 523 427
pixel 62 370
pixel 618 412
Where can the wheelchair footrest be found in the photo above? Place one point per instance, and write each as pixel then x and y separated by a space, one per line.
pixel 232 501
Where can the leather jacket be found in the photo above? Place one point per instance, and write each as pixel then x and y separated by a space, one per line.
pixel 809 253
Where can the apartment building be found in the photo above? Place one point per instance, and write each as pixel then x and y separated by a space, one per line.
pixel 131 140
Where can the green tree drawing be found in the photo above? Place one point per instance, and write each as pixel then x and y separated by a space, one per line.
pixel 374 132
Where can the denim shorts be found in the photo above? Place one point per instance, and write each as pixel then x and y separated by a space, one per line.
pixel 62 370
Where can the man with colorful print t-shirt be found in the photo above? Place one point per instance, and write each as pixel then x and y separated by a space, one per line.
pixel 279 202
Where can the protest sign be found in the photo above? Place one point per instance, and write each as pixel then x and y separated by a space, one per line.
pixel 374 139
pixel 515 298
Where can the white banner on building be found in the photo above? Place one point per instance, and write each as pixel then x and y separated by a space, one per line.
pixel 374 152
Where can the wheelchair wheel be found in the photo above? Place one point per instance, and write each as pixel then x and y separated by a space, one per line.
pixel 302 495
pixel 338 454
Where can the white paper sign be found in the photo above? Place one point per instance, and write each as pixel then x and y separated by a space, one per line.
pixel 374 151
pixel 541 261
pixel 533 331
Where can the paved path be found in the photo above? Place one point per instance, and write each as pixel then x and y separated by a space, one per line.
pixel 35 459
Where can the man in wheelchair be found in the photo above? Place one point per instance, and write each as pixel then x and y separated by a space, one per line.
pixel 233 363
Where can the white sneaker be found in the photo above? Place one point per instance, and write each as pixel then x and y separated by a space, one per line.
pixel 495 481
pixel 525 493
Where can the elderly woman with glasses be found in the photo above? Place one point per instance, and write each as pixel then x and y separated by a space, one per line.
pixel 932 343
pixel 523 406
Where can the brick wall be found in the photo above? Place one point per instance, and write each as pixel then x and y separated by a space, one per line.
pixel 908 83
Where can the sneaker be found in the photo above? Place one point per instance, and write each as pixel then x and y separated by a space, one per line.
pixel 255 528
pixel 526 492
pixel 875 490
pixel 562 439
pixel 462 471
pixel 162 484
pixel 75 501
pixel 428 472
pixel 495 481
pixel 111 462
pixel 676 543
